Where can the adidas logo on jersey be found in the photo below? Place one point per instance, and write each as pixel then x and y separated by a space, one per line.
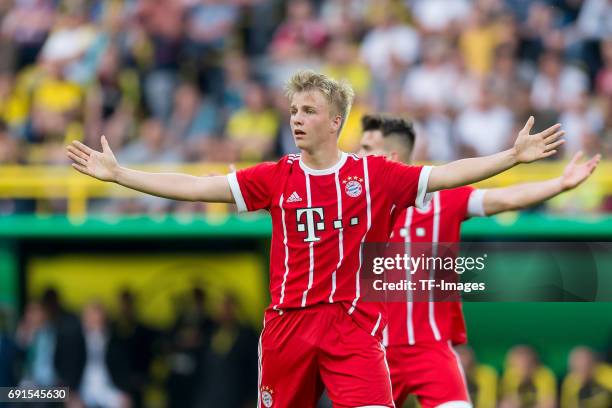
pixel 294 198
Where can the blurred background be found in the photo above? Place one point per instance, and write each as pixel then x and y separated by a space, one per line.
pixel 145 302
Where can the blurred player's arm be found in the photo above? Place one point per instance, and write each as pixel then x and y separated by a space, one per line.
pixel 497 200
pixel 104 166
pixel 527 148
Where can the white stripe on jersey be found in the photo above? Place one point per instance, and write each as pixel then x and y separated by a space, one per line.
pixel 282 297
pixel 455 404
pixel 377 324
pixel 340 236
pixel 434 240
pixel 366 179
pixel 463 377
pixel 409 306
pixel 310 245
pixel 260 365
pixel 384 350
pixel 232 179
pixel 385 335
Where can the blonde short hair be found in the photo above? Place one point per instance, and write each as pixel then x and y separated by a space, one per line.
pixel 339 94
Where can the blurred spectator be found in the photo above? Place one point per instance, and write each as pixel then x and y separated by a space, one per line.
pixel 485 128
pixel 506 75
pixel 111 99
pixel 230 362
pixel 588 383
pixel 55 113
pixel 194 121
pixel 163 28
pixel 595 19
pixel 188 340
pixel 36 337
pixel 437 16
pixel 481 379
pixel 66 337
pixel 29 38
pixel 262 19
pixel 12 109
pixel 556 84
pixel 539 32
pixel 153 146
pixel 9 148
pixel 74 44
pixel 603 83
pixel 252 130
pixel 344 18
pixel 8 354
pixel 429 86
pixel 136 340
pixel 9 154
pixel 298 56
pixel 236 72
pixel 300 27
pixel 526 382
pixel 434 140
pixel 350 136
pixel 478 42
pixel 593 26
pixel 342 63
pixel 209 25
pixel 607 128
pixel 106 370
pixel 209 28
pixel 582 122
pixel 388 49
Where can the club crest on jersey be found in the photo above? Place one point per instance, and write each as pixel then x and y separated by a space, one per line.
pixel 266 396
pixel 352 186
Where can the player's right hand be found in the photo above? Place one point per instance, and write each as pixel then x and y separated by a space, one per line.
pixel 101 165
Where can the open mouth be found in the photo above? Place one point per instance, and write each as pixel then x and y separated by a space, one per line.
pixel 299 132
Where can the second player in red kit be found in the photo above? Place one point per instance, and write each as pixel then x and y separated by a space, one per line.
pixel 421 334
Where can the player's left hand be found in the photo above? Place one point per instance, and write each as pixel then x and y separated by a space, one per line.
pixel 529 148
pixel 575 174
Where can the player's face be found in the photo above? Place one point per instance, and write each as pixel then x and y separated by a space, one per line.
pixel 312 122
pixel 372 142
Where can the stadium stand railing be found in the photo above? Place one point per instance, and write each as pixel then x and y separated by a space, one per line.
pixel 61 182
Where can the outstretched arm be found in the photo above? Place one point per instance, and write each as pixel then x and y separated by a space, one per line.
pixel 103 166
pixel 497 200
pixel 527 148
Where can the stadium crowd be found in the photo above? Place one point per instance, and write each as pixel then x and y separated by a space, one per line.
pixel 209 359
pixel 202 80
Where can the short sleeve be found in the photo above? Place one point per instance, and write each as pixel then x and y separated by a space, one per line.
pixel 252 187
pixel 475 205
pixel 407 185
pixel 459 201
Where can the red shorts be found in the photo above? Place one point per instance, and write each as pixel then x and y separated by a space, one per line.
pixel 431 371
pixel 303 351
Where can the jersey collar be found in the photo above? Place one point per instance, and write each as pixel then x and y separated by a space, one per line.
pixel 323 172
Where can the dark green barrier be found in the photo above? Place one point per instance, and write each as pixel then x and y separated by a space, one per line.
pixel 552 327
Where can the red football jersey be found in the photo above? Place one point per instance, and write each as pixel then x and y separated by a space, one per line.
pixel 320 218
pixel 439 222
